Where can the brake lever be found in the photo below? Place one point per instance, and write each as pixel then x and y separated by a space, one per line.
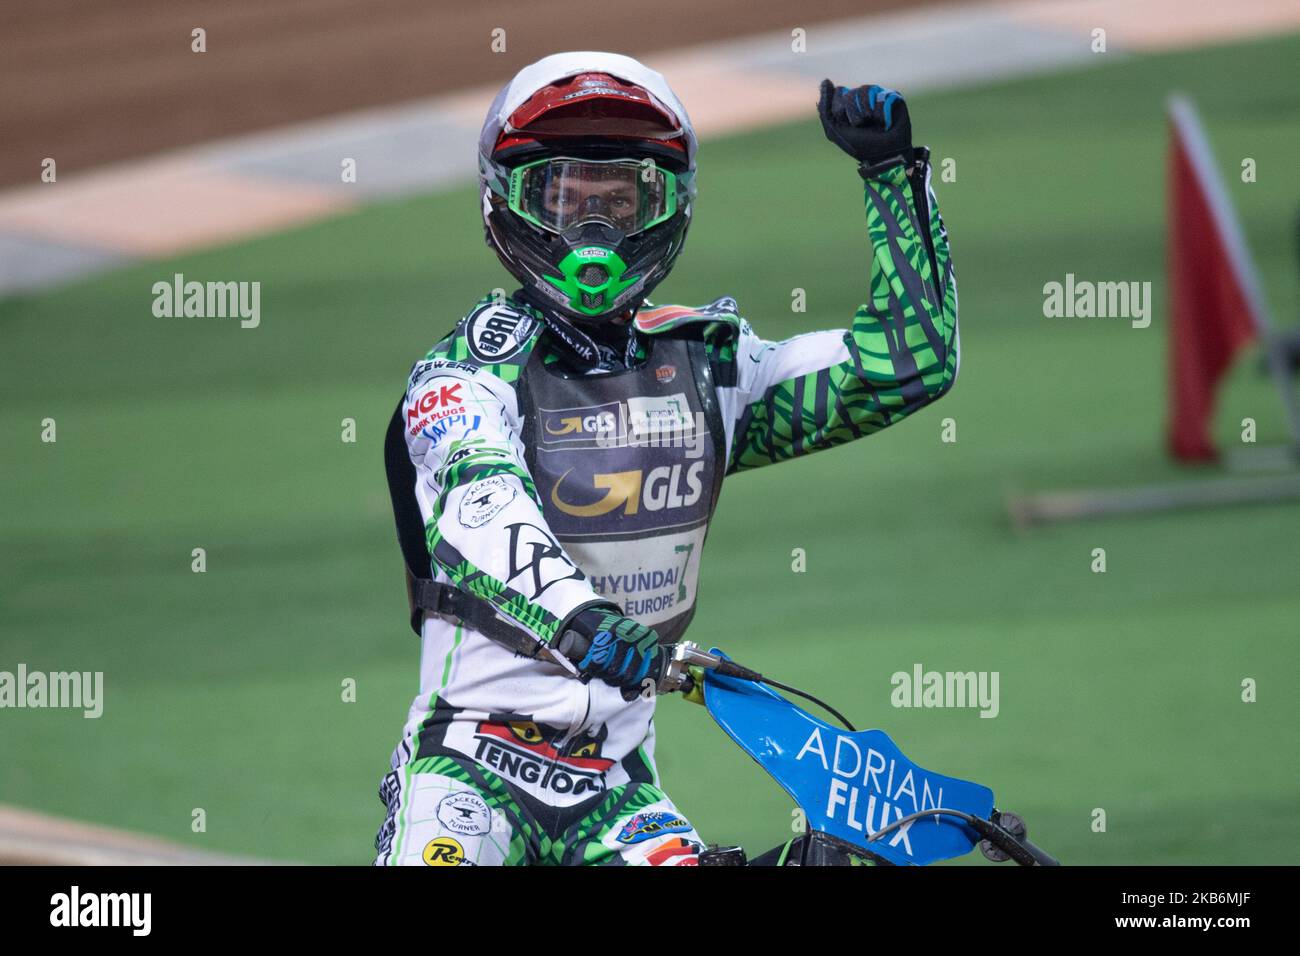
pixel 677 675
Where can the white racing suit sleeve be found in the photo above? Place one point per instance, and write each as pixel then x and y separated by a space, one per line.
pixel 482 517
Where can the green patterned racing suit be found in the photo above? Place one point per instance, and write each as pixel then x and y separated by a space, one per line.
pixel 544 491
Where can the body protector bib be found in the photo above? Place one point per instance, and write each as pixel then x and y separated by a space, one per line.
pixel 629 466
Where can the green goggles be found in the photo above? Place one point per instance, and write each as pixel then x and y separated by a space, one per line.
pixel 627 194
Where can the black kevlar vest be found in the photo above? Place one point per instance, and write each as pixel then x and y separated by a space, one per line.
pixel 628 467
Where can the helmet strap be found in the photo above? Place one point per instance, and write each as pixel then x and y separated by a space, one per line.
pixel 584 351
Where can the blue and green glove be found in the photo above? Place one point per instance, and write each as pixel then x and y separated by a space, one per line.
pixel 604 644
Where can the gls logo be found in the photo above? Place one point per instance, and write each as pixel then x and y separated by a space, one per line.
pixel 640 418
pixel 662 489
pixel 585 425
pixel 578 424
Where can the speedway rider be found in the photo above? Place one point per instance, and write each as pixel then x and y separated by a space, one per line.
pixel 556 458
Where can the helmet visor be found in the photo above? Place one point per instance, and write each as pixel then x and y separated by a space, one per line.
pixel 558 194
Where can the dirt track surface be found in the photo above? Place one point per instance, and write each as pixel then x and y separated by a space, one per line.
pixel 89 83
pixel 28 838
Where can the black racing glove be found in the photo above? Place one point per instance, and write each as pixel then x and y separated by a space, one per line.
pixel 602 643
pixel 870 123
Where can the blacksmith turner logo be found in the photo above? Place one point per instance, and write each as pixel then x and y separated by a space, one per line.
pixel 522 750
pixel 484 499
pixel 465 813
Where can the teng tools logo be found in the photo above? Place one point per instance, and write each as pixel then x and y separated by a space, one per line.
pixel 522 750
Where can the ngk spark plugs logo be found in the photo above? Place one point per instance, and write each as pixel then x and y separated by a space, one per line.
pixel 438 403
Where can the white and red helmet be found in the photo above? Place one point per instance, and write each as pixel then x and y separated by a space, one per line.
pixel 594 128
pixel 539 92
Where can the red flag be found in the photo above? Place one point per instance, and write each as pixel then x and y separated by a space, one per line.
pixel 1213 297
